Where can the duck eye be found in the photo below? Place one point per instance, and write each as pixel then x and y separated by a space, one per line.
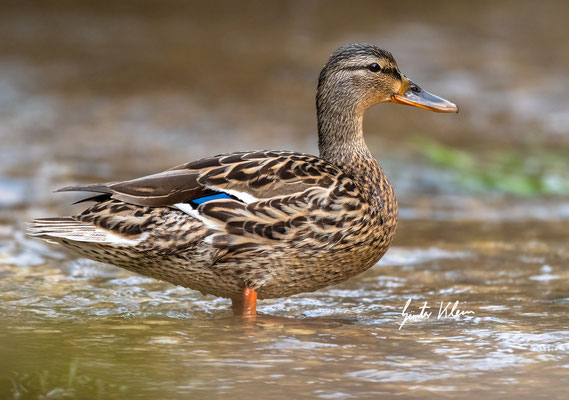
pixel 374 67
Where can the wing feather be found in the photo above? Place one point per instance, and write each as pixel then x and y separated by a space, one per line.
pixel 254 175
pixel 274 196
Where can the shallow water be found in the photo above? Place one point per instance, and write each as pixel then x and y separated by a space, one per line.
pixel 129 334
pixel 118 91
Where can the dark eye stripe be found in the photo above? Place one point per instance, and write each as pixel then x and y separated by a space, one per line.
pixel 389 71
pixel 393 72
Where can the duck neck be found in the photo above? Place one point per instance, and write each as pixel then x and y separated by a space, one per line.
pixel 340 136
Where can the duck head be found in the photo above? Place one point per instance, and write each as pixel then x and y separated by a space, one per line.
pixel 358 76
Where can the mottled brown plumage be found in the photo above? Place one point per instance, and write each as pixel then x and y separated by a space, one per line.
pixel 277 222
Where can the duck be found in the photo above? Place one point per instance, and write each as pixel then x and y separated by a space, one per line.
pixel 260 224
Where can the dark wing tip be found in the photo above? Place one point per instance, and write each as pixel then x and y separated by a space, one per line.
pixel 96 188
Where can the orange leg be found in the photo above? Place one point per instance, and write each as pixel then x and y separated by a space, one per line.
pixel 246 306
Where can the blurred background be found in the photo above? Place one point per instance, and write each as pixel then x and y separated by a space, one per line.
pixel 107 90
pixel 98 90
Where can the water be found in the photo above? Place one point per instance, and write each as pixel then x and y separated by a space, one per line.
pixel 112 91
pixel 130 334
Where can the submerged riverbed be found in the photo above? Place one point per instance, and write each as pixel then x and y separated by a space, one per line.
pixel 94 93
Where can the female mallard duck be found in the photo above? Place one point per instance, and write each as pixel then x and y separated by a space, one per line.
pixel 260 223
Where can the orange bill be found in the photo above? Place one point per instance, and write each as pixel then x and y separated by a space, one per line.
pixel 412 95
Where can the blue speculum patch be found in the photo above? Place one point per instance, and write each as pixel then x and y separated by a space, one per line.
pixel 205 199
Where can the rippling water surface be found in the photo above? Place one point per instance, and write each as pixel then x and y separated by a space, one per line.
pixel 111 91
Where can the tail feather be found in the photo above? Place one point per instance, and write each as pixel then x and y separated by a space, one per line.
pixel 67 228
